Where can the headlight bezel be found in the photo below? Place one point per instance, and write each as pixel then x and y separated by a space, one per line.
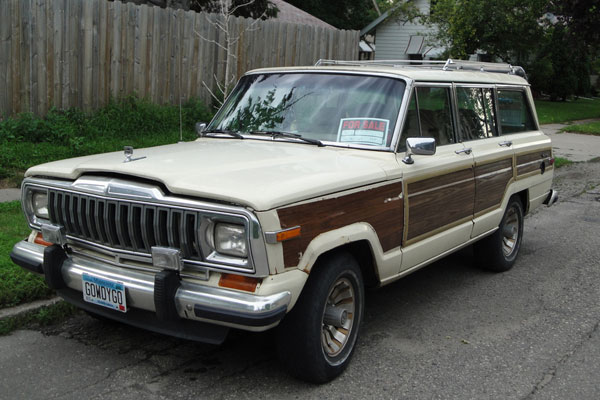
pixel 32 211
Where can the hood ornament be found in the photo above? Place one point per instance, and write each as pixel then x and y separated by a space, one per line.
pixel 128 150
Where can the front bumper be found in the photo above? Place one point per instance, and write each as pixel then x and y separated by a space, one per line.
pixel 191 301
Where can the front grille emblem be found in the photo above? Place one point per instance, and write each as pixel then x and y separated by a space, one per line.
pixel 128 150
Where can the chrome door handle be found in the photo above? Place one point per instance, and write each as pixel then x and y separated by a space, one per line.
pixel 507 143
pixel 466 151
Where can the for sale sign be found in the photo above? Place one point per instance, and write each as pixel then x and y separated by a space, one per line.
pixel 369 131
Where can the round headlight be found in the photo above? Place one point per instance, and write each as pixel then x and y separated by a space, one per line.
pixel 39 204
pixel 230 239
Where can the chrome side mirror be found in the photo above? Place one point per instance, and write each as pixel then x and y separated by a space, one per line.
pixel 420 146
pixel 200 127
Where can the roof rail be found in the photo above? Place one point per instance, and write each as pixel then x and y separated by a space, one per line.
pixel 448 65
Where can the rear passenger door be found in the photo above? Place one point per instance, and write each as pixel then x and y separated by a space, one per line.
pixel 439 189
pixel 533 149
pixel 492 153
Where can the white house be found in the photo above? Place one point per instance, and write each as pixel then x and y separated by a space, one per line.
pixel 396 40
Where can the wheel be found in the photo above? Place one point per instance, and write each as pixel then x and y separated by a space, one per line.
pixel 315 341
pixel 499 251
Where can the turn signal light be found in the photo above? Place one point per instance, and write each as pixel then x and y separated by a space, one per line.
pixel 288 234
pixel 551 161
pixel 39 239
pixel 240 282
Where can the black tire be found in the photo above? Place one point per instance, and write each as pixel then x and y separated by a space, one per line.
pixel 302 335
pixel 499 251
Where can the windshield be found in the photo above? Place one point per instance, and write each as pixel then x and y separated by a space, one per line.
pixel 348 109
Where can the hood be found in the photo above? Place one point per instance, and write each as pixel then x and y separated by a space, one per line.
pixel 256 173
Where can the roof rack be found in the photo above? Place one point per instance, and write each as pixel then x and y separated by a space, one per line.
pixel 448 65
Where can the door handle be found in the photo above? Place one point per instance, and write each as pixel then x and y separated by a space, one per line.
pixel 507 143
pixel 466 151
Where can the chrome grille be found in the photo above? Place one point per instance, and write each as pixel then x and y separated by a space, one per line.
pixel 126 225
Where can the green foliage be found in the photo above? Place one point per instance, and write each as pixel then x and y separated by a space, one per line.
pixel 28 140
pixel 343 14
pixel 590 128
pixel 42 317
pixel 504 28
pixel 16 285
pixel 552 112
pixel 561 162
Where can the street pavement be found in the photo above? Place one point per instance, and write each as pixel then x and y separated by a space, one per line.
pixel 448 331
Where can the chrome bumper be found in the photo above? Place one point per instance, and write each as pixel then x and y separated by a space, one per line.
pixel 552 198
pixel 192 301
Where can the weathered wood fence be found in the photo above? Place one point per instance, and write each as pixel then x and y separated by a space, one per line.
pixel 80 53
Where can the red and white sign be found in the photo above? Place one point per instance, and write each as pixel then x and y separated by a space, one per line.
pixel 369 131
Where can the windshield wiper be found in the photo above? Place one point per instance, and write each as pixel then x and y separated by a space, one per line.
pixel 278 134
pixel 225 131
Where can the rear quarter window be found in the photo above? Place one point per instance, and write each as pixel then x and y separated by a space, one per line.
pixel 514 112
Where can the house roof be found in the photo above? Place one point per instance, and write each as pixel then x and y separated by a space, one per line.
pixel 294 15
pixel 376 22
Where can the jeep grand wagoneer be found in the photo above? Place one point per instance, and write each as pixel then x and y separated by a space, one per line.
pixel 309 184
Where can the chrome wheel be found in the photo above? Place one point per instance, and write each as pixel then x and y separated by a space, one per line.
pixel 510 232
pixel 338 317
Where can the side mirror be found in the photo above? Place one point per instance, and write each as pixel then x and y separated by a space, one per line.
pixel 200 127
pixel 421 146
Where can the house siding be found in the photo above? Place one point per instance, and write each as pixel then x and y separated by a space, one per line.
pixel 392 38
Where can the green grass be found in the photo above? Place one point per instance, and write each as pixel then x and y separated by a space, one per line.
pixel 561 162
pixel 42 317
pixel 550 112
pixel 28 140
pixel 590 128
pixel 16 284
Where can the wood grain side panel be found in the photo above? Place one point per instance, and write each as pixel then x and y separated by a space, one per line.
pixel 381 207
pixel 440 180
pixel 490 183
pixel 439 201
pixel 531 162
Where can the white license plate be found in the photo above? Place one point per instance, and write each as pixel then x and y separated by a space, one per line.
pixel 104 292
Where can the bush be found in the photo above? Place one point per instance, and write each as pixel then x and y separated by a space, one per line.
pixel 29 140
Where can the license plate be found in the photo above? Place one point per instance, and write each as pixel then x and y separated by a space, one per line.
pixel 104 292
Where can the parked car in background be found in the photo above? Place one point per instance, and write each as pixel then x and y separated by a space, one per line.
pixel 310 184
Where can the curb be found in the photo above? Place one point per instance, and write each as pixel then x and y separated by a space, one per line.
pixel 27 307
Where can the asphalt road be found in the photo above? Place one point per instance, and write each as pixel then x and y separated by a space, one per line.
pixel 449 331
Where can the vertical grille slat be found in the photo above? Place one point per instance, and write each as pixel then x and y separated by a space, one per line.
pixel 122 225
pixel 52 206
pixel 187 234
pixel 82 213
pixel 138 228
pixel 110 217
pixel 73 214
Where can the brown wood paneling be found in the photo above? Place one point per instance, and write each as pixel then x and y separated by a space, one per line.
pixel 439 201
pixel 381 207
pixel 539 155
pixel 490 184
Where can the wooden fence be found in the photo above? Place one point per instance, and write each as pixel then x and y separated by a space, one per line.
pixel 80 53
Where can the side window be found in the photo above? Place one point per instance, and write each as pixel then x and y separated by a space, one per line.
pixel 429 115
pixel 476 113
pixel 515 115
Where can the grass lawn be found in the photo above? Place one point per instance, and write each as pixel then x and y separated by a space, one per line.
pixel 550 112
pixel 561 162
pixel 28 140
pixel 16 284
pixel 591 128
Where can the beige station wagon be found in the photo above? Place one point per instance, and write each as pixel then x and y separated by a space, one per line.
pixel 310 184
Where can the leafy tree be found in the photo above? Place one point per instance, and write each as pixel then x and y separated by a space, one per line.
pixel 343 14
pixel 506 29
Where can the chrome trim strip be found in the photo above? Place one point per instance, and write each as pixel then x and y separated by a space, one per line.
pixel 271 237
pixel 498 172
pixel 139 287
pixel 440 187
pixel 533 162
